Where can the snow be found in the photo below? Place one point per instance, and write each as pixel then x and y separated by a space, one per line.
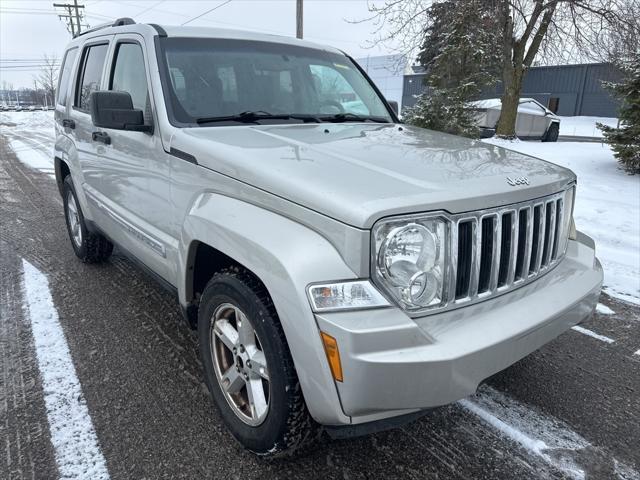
pixel 546 437
pixel 607 207
pixel 31 157
pixel 592 334
pixel 584 126
pixel 73 437
pixel 604 310
pixel 31 136
pixel 489 103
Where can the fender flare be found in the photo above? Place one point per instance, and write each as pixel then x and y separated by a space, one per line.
pixel 286 256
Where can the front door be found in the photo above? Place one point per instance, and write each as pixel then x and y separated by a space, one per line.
pixel 135 179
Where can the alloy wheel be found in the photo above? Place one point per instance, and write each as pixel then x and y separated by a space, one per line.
pixel 74 220
pixel 240 364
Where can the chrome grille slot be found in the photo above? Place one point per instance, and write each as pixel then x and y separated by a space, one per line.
pixel 486 253
pixel 465 242
pixel 507 229
pixel 497 249
pixel 549 229
pixel 556 237
pixel 523 228
pixel 534 265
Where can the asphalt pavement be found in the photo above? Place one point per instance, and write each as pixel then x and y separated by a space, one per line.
pixel 569 410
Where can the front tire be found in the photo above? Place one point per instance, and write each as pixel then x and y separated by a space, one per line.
pixel 88 246
pixel 248 367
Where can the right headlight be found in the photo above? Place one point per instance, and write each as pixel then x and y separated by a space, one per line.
pixel 411 258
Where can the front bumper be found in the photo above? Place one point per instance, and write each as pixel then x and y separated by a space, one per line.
pixel 394 365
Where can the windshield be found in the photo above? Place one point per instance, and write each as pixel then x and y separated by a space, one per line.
pixel 229 81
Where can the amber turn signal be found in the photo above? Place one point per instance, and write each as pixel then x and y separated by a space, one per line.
pixel 333 355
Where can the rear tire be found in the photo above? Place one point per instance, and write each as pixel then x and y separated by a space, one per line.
pixel 552 133
pixel 234 295
pixel 88 246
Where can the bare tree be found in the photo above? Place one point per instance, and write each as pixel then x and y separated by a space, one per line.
pixel 558 30
pixel 48 76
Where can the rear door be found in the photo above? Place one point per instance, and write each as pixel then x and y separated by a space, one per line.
pixel 88 79
pixel 64 146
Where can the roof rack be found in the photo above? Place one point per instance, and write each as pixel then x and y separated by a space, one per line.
pixel 117 23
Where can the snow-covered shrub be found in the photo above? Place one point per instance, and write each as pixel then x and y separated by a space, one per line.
pixel 625 140
pixel 460 55
pixel 445 111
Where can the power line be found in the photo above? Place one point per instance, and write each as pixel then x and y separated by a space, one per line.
pixel 204 13
pixel 150 8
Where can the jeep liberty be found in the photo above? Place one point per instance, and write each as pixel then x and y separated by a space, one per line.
pixel 344 272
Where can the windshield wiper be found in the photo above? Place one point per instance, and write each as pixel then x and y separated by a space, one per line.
pixel 352 117
pixel 254 117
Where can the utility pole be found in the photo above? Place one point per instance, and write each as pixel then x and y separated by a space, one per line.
pixel 75 4
pixel 72 16
pixel 299 16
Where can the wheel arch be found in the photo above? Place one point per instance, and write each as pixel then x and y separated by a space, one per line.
pixel 62 170
pixel 285 257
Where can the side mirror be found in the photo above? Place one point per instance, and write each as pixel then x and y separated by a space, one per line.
pixel 115 110
pixel 394 106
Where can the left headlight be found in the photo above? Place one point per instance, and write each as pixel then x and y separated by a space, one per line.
pixel 410 259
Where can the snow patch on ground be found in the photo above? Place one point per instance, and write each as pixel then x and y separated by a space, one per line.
pixel 604 310
pixel 607 207
pixel 546 437
pixel 31 136
pixel 73 437
pixel 31 157
pixel 592 334
pixel 585 126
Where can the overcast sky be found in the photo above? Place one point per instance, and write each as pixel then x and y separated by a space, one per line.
pixel 29 29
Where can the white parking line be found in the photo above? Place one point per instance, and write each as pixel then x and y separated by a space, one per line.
pixel 546 437
pixel 592 334
pixel 73 437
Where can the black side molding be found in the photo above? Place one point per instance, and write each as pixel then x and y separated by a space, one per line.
pixel 183 155
pixel 161 31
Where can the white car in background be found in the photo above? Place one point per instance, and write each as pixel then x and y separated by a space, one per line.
pixel 534 121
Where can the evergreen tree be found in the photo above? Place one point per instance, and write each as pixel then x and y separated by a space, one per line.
pixel 461 56
pixel 625 140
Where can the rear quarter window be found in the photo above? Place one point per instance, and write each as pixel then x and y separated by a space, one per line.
pixel 91 67
pixel 65 75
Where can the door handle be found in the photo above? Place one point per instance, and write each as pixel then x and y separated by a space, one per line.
pixel 67 123
pixel 101 137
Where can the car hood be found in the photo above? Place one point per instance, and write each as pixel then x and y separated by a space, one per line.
pixel 357 172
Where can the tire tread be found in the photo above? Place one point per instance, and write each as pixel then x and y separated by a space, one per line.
pixel 301 429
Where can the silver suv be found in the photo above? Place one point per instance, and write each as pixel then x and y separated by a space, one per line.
pixel 344 272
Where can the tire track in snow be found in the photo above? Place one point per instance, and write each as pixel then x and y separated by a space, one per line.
pixel 73 437
pixel 545 437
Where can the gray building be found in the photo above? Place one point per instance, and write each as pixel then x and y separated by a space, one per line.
pixel 386 71
pixel 568 90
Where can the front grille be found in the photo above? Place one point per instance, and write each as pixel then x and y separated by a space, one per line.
pixel 498 249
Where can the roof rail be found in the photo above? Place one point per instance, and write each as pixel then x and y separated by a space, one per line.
pixel 116 23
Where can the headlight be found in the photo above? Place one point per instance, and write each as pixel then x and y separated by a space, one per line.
pixel 411 258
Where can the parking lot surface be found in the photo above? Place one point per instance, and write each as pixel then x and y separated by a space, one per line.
pixel 570 410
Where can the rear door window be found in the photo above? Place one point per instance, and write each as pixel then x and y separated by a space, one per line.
pixel 65 75
pixel 90 74
pixel 129 74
